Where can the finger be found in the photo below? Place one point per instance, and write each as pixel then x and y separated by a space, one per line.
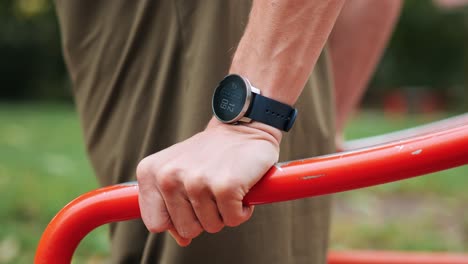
pixel 231 208
pixel 181 214
pixel 234 213
pixel 152 207
pixel 206 210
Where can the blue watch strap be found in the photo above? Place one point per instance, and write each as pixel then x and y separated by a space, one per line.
pixel 271 112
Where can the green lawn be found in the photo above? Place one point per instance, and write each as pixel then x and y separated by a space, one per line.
pixel 43 166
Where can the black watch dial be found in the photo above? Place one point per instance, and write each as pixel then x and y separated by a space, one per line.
pixel 230 99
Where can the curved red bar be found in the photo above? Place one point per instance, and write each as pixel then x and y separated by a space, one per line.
pixel 287 181
pixel 81 216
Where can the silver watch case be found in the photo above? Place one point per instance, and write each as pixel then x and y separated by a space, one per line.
pixel 248 100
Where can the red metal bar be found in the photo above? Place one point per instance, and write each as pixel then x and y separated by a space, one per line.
pixel 81 216
pixel 293 180
pixel 388 257
pixel 362 168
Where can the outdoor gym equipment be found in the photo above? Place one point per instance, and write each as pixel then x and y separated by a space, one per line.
pixel 414 152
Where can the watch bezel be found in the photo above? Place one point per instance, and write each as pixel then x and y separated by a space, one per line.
pixel 245 107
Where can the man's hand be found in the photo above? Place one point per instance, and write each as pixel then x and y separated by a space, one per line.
pixel 199 184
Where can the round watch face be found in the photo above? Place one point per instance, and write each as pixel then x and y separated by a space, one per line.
pixel 230 99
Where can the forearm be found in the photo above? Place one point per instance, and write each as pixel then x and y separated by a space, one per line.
pixel 281 44
pixel 357 42
pixel 199 190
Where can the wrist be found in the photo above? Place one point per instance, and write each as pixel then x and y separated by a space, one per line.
pixel 256 128
pixel 270 83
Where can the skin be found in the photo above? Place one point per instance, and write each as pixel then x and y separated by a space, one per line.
pixel 357 43
pixel 198 185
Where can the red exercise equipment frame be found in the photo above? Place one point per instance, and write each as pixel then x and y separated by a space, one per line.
pixel 438 146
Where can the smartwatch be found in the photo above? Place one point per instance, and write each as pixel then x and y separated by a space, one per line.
pixel 236 100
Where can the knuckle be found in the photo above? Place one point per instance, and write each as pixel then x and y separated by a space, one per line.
pixel 195 186
pixel 224 190
pixel 143 170
pixel 166 179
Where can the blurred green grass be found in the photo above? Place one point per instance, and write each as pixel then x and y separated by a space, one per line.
pixel 43 166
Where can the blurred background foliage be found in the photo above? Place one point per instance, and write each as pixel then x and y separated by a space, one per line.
pixel 428 51
pixel 31 66
pixel 428 48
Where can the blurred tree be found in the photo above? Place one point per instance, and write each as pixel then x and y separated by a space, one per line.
pixel 31 63
pixel 428 49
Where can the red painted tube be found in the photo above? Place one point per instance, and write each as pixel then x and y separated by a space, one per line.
pixel 81 216
pixel 362 168
pixel 294 180
pixel 388 257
